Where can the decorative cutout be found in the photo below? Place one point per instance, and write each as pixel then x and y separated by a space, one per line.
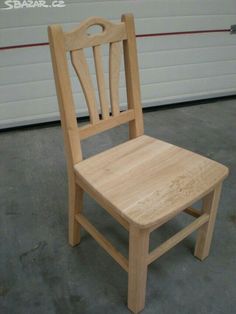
pixel 94 30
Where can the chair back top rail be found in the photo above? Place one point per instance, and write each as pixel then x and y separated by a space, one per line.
pixel 80 38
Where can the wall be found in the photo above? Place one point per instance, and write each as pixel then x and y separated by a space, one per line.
pixel 172 68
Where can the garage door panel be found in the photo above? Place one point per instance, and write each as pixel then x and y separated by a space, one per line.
pixel 42 54
pixel 44 109
pixel 172 68
pixel 14 35
pixel 171 60
pixel 165 73
pixel 112 9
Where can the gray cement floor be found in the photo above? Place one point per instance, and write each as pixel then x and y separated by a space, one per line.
pixel 41 274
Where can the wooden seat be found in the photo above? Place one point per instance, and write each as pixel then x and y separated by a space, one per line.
pixel 148 181
pixel 142 183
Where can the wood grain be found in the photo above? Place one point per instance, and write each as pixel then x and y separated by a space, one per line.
pixel 103 203
pixel 114 76
pixel 137 275
pixel 80 37
pixel 101 82
pixel 81 68
pixel 148 181
pixel 132 77
pixel 69 126
pixel 75 207
pixel 105 244
pixel 178 237
pixel 143 182
pixel 103 125
pixel 204 237
pixel 193 212
pixel 64 95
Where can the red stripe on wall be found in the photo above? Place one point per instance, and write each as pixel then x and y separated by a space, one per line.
pixel 138 36
pixel 185 33
pixel 24 46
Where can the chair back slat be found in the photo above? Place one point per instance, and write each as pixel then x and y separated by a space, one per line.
pixel 114 76
pixel 81 67
pixel 101 82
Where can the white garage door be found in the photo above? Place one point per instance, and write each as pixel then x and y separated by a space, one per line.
pixel 173 68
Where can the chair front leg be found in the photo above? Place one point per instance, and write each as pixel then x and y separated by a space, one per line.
pixel 137 275
pixel 75 207
pixel 205 233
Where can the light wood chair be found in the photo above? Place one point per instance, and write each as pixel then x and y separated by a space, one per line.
pixel 143 182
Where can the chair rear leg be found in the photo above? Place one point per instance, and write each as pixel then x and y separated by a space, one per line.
pixel 75 206
pixel 137 274
pixel 205 233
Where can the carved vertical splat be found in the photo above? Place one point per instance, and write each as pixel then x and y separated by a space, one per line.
pixel 80 65
pixel 114 75
pixel 101 81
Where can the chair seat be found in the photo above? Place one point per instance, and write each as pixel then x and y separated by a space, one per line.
pixel 148 181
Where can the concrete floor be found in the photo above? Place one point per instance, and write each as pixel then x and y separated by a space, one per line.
pixel 41 274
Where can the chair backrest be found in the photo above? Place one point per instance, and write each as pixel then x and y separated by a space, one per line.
pixel 117 35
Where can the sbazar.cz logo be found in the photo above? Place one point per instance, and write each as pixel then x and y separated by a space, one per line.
pixel 17 4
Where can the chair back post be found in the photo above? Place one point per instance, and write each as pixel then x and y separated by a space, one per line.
pixel 136 127
pixel 65 97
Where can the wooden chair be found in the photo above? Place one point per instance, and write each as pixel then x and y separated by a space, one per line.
pixel 143 182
